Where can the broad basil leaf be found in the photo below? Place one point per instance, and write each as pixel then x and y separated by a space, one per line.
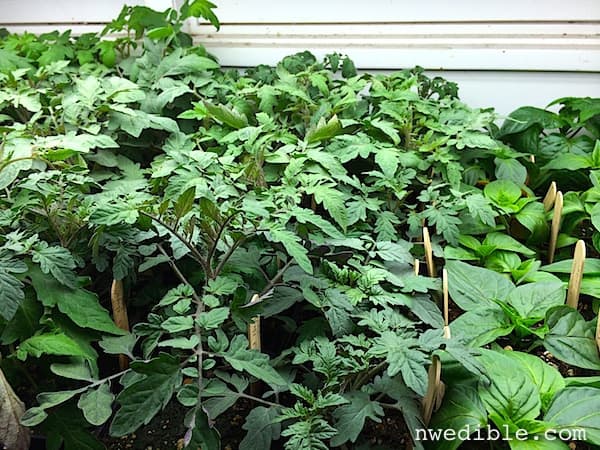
pixel 548 380
pixel 462 408
pixel 577 408
pixel 533 300
pixel 473 287
pixel 571 339
pixel 481 326
pixel 508 400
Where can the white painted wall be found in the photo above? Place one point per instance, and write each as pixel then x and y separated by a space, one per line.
pixel 503 54
pixel 509 90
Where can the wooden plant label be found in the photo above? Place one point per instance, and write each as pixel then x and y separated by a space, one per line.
pixel 428 252
pixel 576 275
pixel 254 340
pixel 447 333
pixel 598 332
pixel 445 292
pixel 556 217
pixel 254 334
pixel 435 386
pixel 417 266
pixel 433 382
pixel 532 160
pixel 550 197
pixel 119 310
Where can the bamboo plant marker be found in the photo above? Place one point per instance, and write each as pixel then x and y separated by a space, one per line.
pixel 254 334
pixel 576 275
pixel 433 379
pixel 598 331
pixel 532 160
pixel 445 293
pixel 254 340
pixel 550 197
pixel 428 252
pixel 435 387
pixel 254 329
pixel 441 388
pixel 556 217
pixel 119 309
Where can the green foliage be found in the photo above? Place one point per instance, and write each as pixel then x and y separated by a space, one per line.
pixel 565 144
pixel 292 193
pixel 534 402
pixel 495 307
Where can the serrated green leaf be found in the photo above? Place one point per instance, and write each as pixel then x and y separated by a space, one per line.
pixel 252 361
pixel 81 306
pixel 350 419
pixel 143 399
pixel 387 128
pixel 11 294
pixel 403 357
pixel 117 345
pixel 77 369
pixel 387 159
pixel 204 435
pixel 49 344
pixel 262 429
pixel 56 261
pixel 223 114
pixel 291 242
pixel 324 130
pixel 96 404
pixel 178 323
pixel 185 202
pixel 214 318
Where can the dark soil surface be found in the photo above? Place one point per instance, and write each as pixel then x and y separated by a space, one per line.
pixel 166 430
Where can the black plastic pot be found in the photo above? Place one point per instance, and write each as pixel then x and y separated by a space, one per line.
pixel 38 443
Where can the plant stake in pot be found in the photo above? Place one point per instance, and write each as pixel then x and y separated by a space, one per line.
pixel 576 275
pixel 254 329
pixel 598 331
pixel 435 387
pixel 428 253
pixel 550 197
pixel 254 340
pixel 556 216
pixel 119 309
